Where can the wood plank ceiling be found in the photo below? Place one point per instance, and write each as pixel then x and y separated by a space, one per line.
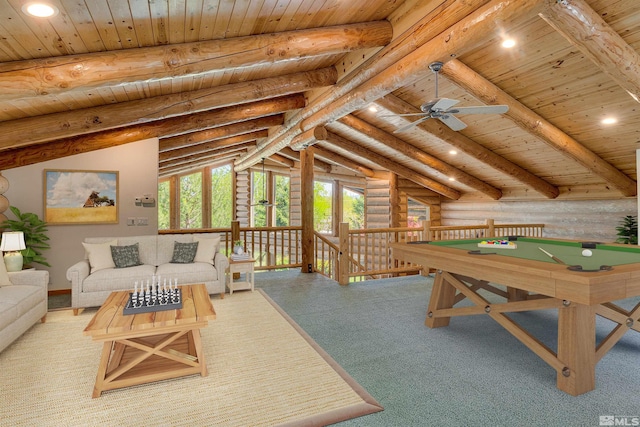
pixel 243 80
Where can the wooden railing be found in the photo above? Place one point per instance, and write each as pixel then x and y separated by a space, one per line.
pixel 352 255
pixel 273 247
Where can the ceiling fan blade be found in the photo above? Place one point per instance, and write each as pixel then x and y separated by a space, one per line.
pixel 481 109
pixel 412 124
pixel 444 104
pixel 452 121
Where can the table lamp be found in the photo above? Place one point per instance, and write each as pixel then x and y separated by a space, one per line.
pixel 12 243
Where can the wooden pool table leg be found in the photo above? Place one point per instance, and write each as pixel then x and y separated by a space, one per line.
pixel 442 296
pixel 577 348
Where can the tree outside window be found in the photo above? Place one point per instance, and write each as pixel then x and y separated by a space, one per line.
pixel 322 207
pixel 164 205
pixel 353 207
pixel 282 200
pixel 258 193
pixel 221 197
pixel 191 201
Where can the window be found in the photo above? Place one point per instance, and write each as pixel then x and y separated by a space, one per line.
pixel 353 207
pixel 258 193
pixel 191 201
pixel 323 207
pixel 282 200
pixel 221 197
pixel 164 205
pixel 416 213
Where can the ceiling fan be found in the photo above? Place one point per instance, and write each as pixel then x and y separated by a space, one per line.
pixel 441 109
pixel 263 202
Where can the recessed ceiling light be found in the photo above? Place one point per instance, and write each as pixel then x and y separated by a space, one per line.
pixel 609 121
pixel 40 10
pixel 453 152
pixel 373 109
pixel 508 43
pixel 451 178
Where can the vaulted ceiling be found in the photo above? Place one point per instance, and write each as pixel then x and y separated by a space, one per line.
pixel 220 81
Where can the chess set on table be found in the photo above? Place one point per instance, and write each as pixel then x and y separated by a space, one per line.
pixel 155 297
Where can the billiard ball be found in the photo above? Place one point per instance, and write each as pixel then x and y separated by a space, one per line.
pixel 587 252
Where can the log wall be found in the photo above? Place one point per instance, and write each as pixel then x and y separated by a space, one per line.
pixel 295 200
pixel 378 210
pixel 243 197
pixel 571 219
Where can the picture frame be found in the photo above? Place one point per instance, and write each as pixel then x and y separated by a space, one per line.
pixel 80 197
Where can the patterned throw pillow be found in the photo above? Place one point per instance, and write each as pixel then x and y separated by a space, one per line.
pixel 184 253
pixel 125 256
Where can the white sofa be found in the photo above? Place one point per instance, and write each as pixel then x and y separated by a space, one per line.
pixel 90 287
pixel 23 303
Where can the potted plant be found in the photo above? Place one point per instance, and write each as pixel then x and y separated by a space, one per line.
pixel 238 247
pixel 35 236
pixel 628 230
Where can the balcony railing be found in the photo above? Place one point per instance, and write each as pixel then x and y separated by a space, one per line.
pixel 352 255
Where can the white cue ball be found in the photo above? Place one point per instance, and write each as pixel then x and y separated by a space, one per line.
pixel 587 252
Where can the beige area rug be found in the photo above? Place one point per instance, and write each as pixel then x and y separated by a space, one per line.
pixel 263 371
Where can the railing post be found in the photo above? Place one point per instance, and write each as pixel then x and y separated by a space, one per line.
pixel 491 231
pixel 235 232
pixel 426 230
pixel 235 235
pixel 343 254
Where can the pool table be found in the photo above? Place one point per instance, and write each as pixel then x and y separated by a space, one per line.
pixel 579 287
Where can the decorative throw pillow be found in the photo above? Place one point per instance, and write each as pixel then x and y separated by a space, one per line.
pixel 184 253
pixel 99 255
pixel 207 248
pixel 4 276
pixel 125 256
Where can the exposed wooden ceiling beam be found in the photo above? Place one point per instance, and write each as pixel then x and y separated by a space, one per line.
pixel 285 161
pixel 340 160
pixel 470 147
pixel 586 30
pixel 392 166
pixel 415 153
pixel 169 127
pixel 22 79
pixel 207 147
pixel 288 152
pixel 208 135
pixel 63 125
pixel 317 133
pixel 483 89
pixel 428 27
pixel 317 163
pixel 458 39
pixel 200 161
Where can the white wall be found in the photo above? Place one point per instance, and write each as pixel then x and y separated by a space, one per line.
pixel 137 164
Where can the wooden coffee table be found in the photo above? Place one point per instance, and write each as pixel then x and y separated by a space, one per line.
pixel 147 347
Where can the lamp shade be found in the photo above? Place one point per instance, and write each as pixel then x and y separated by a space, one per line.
pixel 12 241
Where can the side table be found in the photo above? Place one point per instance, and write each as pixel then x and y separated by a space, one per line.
pixel 240 266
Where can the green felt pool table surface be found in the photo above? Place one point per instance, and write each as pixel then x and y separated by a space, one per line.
pixel 569 252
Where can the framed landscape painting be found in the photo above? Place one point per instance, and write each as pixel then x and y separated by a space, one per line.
pixel 80 197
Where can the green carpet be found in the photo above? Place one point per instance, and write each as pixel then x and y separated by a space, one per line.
pixel 472 373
